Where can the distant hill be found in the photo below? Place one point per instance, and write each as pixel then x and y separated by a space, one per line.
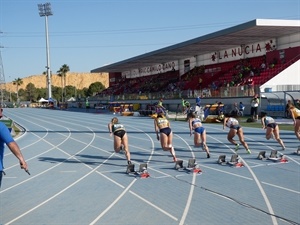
pixel 79 80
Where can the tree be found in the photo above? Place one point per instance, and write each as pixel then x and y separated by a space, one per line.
pixel 31 92
pixel 62 72
pixel 95 88
pixel 18 81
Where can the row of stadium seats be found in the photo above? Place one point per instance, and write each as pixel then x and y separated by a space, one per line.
pixel 275 108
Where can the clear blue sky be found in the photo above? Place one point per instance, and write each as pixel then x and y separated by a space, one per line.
pixel 86 34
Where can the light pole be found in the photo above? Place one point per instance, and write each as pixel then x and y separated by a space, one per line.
pixel 45 10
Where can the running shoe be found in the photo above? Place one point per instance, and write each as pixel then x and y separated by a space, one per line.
pixel 129 162
pixel 248 151
pixel 237 147
pixel 283 148
pixel 208 156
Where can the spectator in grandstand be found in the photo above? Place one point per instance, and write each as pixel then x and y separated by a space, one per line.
pixel 250 85
pixel 254 106
pixel 185 106
pixel 199 132
pixel 295 113
pixel 200 83
pixel 271 127
pixel 162 126
pixel 120 137
pixel 263 66
pixel 214 86
pixel 235 129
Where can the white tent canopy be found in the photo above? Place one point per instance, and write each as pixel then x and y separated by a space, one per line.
pixel 42 100
pixel 72 99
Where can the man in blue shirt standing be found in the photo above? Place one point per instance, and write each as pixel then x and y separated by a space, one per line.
pixel 6 138
pixel 198 101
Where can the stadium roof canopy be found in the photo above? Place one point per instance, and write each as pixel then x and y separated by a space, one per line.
pixel 246 33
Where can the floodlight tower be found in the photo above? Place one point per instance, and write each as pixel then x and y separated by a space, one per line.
pixel 45 11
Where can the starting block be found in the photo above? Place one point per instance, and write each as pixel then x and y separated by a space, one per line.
pixel 275 158
pixel 191 163
pixel 130 169
pixel 222 160
pixel 262 155
pixel 234 161
pixel 142 170
pixel 192 166
pixel 179 164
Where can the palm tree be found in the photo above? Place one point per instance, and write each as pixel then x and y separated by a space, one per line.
pixel 18 81
pixel 62 72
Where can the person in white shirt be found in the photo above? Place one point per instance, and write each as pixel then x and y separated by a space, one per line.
pixel 254 106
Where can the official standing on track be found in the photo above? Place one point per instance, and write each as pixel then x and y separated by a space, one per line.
pixel 120 137
pixel 254 107
pixel 162 125
pixel 199 132
pixel 6 138
pixel 235 129
pixel 271 127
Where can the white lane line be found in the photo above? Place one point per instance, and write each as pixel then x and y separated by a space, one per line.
pixel 189 201
pixel 265 197
pixel 154 206
pixel 280 187
pixel 113 203
pixel 54 196
pixel 269 206
pixel 192 188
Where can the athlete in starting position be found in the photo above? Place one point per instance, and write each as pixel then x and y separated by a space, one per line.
pixel 272 128
pixel 199 132
pixel 295 113
pixel 120 137
pixel 162 125
pixel 235 128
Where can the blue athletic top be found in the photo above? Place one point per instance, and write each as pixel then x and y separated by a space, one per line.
pixel 5 138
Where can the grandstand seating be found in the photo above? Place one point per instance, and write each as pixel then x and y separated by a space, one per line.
pixel 219 73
